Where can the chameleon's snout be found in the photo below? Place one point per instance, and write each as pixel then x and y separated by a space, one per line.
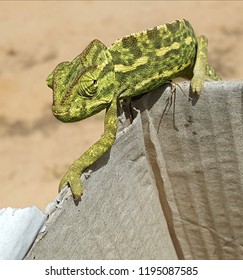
pixel 62 114
pixel 68 113
pixel 49 81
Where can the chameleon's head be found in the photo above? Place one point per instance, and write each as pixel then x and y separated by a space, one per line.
pixel 84 86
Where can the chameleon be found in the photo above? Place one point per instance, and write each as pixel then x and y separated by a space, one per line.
pixel 135 64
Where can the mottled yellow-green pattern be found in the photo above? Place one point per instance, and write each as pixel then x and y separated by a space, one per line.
pixel 132 65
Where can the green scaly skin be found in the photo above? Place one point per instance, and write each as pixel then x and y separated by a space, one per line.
pixel 98 77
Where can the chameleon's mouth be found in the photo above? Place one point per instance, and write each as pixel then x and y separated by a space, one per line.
pixel 62 114
pixel 71 113
pixel 76 111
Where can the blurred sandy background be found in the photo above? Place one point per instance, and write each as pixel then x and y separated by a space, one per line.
pixel 35 148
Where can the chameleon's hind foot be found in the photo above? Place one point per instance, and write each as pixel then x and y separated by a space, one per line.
pixel 202 70
pixel 197 84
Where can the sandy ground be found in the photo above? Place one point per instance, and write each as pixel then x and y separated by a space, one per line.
pixel 36 149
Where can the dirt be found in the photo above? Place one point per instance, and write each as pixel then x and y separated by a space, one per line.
pixel 36 149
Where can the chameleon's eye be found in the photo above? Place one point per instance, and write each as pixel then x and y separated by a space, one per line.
pixel 87 84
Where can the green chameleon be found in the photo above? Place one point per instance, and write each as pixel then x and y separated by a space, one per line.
pixel 135 64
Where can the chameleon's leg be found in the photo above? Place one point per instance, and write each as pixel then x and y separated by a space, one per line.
pixel 202 70
pixel 72 176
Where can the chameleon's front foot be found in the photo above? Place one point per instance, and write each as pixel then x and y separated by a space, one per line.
pixel 72 179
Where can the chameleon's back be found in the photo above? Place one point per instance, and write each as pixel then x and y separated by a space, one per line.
pixel 145 60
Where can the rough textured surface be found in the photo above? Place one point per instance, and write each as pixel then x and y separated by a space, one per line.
pixel 199 171
pixel 173 194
